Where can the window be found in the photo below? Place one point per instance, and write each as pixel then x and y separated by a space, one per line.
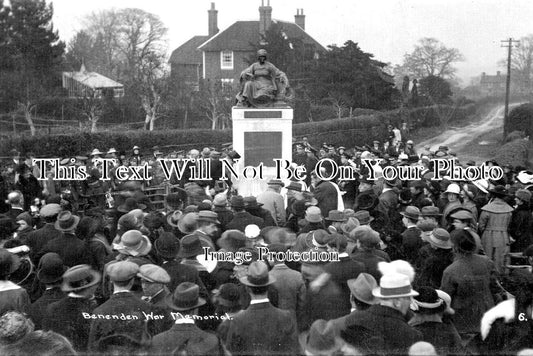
pixel 226 60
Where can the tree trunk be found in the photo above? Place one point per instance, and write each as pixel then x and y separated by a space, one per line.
pixel 152 121
pixel 147 120
pixel 27 115
pixel 93 126
pixel 185 117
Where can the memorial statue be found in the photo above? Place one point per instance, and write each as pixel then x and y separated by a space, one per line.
pixel 263 85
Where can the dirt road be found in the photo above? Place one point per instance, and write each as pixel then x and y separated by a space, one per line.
pixel 462 140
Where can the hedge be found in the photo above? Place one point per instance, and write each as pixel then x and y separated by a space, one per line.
pixel 513 153
pixel 358 130
pixel 83 143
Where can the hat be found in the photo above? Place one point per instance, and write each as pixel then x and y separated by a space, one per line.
pixel 134 243
pixel 297 186
pixel 51 268
pixel 220 200
pixel 336 215
pixel 80 277
pixel 463 241
pixel 257 275
pixel 128 222
pixel 362 287
pixel 427 301
pixel 427 225
pixel 167 245
pixel 129 205
pixel 252 231
pixel 232 240
pixel 26 217
pixel 323 339
pixel 237 202
pixel 394 285
pixel 350 224
pixel 122 271
pixel 190 246
pixel 523 194
pixel 50 210
pixel 482 185
pixel 96 151
pixel 251 202
pixel 462 215
pixel 447 300
pixel 14 325
pixel 136 148
pixel 229 295
pixel 430 211
pixel 453 188
pixel 498 191
pixel 363 216
pixel 410 142
pixel 153 274
pixel 111 150
pixel 313 214
pixel 186 296
pixel 66 221
pixel 9 262
pixel 205 205
pixel 174 200
pixel 208 216
pixel 275 182
pixel 411 212
pixel 440 238
pixel 187 223
pixel 366 236
pixel 367 201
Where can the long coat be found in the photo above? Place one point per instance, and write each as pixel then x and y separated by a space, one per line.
pixel 379 329
pixel 127 304
pixel 262 329
pixel 186 337
pixel 66 318
pixel 468 281
pixel 327 197
pixel 72 250
pixel 36 240
pixel 37 310
pixel 242 219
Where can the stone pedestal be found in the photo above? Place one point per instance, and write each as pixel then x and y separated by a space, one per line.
pixel 260 136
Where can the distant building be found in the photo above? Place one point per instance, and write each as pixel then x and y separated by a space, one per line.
pixel 492 85
pixel 79 84
pixel 223 55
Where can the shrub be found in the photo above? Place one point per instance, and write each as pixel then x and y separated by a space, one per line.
pixel 520 119
pixel 513 153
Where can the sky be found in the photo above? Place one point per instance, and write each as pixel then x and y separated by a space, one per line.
pixel 386 28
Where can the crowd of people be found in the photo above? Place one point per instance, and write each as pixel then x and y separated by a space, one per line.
pixel 424 267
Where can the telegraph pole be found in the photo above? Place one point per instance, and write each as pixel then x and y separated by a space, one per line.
pixel 508 43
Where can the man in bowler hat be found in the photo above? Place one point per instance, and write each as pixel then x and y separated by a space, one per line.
pixel 185 336
pixel 262 328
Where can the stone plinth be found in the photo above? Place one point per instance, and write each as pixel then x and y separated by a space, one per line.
pixel 261 135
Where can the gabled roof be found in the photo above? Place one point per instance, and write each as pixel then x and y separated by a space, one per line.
pixel 493 79
pixel 241 34
pixel 188 52
pixel 92 79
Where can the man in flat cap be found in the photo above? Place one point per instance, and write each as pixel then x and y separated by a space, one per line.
pixel 273 201
pixel 123 303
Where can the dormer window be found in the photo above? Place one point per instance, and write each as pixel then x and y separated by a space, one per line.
pixel 226 60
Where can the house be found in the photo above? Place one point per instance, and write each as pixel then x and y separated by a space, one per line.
pixel 80 84
pixel 223 55
pixel 492 85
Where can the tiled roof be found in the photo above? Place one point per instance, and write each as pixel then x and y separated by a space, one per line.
pixel 240 36
pixel 93 79
pixel 188 52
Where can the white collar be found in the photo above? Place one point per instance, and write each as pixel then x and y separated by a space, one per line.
pixel 259 301
pixel 184 321
pixel 8 285
pixel 74 295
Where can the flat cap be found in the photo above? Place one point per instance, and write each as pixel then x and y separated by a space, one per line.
pixel 50 210
pixel 122 271
pixel 153 273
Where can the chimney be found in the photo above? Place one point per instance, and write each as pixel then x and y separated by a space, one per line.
pixel 498 73
pixel 299 18
pixel 212 17
pixel 265 17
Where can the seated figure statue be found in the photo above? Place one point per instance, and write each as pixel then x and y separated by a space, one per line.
pixel 263 84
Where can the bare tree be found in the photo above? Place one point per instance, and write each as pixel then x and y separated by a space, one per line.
pixel 92 107
pixel 431 58
pixel 214 101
